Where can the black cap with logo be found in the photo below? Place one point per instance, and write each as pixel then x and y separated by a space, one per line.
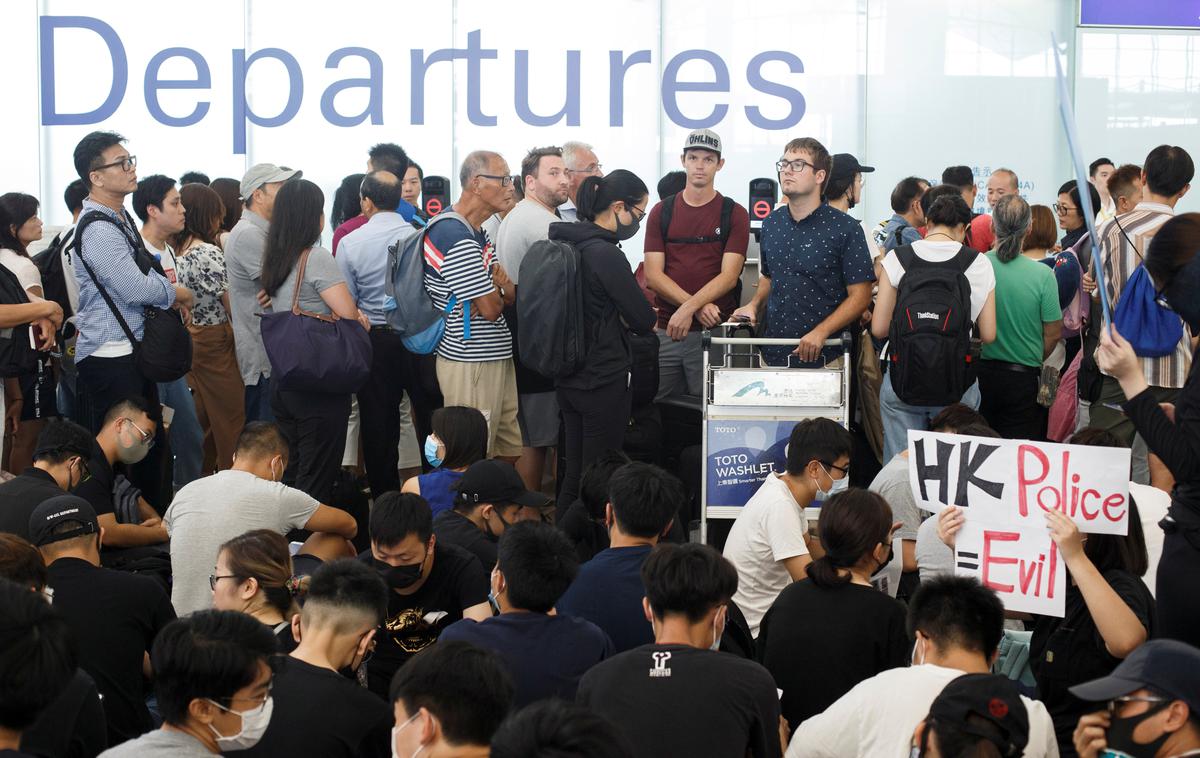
pixel 987 706
pixel 58 510
pixel 1169 667
pixel 498 483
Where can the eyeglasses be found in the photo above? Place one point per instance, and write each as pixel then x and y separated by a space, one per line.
pixel 147 437
pixel 85 473
pixel 637 213
pixel 1060 208
pixel 128 163
pixel 214 578
pixel 845 470
pixel 795 166
pixel 1116 703
pixel 505 181
pixel 593 169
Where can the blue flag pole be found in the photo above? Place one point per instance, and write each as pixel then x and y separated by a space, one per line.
pixel 1067 112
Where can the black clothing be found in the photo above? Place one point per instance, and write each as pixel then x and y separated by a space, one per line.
pixel 610 295
pixel 284 638
pixel 1008 400
pixel 1068 651
pixel 392 374
pixel 455 582
pixel 1070 238
pixel 314 425
pixel 20 496
pixel 594 421
pixel 819 642
pixel 453 528
pixel 115 617
pixel 680 700
pixel 319 712
pixel 97 489
pixel 588 536
pixel 73 726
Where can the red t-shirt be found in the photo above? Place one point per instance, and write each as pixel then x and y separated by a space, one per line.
pixel 982 235
pixel 692 266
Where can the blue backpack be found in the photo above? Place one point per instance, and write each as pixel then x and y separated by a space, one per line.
pixel 410 309
pixel 1152 329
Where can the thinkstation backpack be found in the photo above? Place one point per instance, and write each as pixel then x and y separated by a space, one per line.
pixel 930 336
pixel 415 318
pixel 550 320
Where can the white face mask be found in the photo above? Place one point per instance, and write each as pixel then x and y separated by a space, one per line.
pixel 835 486
pixel 396 733
pixel 919 646
pixel 717 634
pixel 254 725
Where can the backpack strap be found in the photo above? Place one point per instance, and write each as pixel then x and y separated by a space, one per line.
pixel 907 257
pixel 966 256
pixel 664 218
pixel 84 222
pixel 722 236
pixel 727 204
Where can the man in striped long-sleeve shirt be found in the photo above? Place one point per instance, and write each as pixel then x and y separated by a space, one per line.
pixel 1123 242
pixel 103 353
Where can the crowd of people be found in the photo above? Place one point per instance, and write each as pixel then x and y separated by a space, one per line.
pixel 255 510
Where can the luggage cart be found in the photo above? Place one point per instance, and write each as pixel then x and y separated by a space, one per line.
pixel 749 410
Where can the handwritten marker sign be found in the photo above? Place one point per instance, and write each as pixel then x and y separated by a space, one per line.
pixel 1003 487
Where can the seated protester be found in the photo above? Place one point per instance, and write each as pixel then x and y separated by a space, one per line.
pixel 583 521
pixel 115 615
pixel 545 653
pixel 643 501
pixel 431 585
pixel 976 714
pixel 125 437
pixel 253 575
pixel 696 700
pixel 1109 610
pixel 37 662
pixel 934 557
pixel 212 678
pixel 213 510
pixel 448 701
pixel 60 459
pixel 825 635
pixel 957 624
pixel 459 438
pixel 490 498
pixel 1153 704
pixel 73 725
pixel 554 729
pixel 769 544
pixel 318 711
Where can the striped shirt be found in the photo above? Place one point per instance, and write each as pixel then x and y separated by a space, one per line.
pixel 110 256
pixel 458 262
pixel 1120 254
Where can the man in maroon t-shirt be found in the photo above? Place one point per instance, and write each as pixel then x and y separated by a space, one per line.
pixel 694 270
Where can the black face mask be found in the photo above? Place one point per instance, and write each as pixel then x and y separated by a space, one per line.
pixel 890 554
pixel 399 577
pixel 487 527
pixel 1119 735
pixel 626 231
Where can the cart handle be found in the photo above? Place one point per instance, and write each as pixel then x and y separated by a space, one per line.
pixel 707 339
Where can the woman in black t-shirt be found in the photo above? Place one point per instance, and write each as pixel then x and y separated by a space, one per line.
pixel 254 576
pixel 823 636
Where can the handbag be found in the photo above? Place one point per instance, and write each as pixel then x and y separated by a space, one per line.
pixel 315 352
pixel 164 353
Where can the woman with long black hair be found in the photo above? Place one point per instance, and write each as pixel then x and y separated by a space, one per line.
pixel 595 400
pixel 314 423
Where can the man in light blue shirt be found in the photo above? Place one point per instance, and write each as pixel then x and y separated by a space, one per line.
pixel 363 259
pixel 903 227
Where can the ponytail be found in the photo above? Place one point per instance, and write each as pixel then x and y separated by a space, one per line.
pixel 824 572
pixel 597 193
pixel 853 523
pixel 1010 219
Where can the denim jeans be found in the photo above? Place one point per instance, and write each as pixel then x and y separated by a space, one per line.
pixel 898 416
pixel 258 401
pixel 187 438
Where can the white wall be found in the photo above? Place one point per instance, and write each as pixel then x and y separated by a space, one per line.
pixel 909 86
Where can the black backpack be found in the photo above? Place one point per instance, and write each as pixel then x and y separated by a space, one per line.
pixel 54 278
pixel 930 337
pixel 551 334
pixel 17 356
pixel 722 235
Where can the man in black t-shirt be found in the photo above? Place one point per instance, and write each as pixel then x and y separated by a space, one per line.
pixel 318 711
pixel 59 465
pixel 491 498
pixel 432 585
pixel 675 697
pixel 115 615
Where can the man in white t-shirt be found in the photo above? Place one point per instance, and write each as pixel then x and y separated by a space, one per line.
pixel 213 510
pixel 769 544
pixel 157 203
pixel 957 624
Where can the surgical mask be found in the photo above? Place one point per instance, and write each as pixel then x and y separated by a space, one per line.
pixel 717 634
pixel 918 660
pixel 254 725
pixel 396 733
pixel 399 577
pixel 836 485
pixel 431 451
pixel 134 452
pixel 1119 736
pixel 625 231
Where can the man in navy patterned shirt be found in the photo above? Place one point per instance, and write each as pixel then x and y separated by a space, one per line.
pixel 815 273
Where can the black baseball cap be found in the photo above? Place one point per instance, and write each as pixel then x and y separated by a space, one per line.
pixel 1168 667
pixel 57 510
pixel 987 706
pixel 845 166
pixel 498 483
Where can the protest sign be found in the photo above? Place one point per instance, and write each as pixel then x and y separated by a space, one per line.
pixel 1022 565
